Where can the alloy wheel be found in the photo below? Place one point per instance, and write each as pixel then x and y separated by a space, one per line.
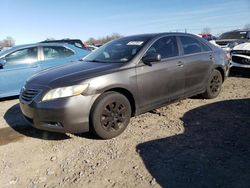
pixel 215 84
pixel 113 116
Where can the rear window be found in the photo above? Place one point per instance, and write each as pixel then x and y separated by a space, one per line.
pixel 234 35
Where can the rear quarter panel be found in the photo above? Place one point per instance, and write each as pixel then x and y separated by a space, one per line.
pixel 221 61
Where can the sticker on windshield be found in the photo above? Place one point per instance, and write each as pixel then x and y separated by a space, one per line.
pixel 136 43
pixel 243 32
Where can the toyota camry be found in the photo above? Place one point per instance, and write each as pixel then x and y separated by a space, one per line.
pixel 123 78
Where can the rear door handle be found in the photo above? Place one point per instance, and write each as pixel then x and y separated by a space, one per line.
pixel 180 64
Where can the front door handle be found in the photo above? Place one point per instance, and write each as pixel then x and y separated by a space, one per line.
pixel 35 66
pixel 211 57
pixel 180 64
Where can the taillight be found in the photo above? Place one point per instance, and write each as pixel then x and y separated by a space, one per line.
pixel 228 55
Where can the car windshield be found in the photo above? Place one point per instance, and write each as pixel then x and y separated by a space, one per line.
pixel 118 51
pixel 234 35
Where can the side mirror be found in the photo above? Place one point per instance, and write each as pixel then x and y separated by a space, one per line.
pixel 2 63
pixel 152 57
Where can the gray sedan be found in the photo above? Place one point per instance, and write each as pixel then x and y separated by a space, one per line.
pixel 123 78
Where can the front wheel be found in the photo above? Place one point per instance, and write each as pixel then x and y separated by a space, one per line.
pixel 110 115
pixel 214 85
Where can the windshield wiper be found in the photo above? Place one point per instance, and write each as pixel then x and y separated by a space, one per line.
pixel 94 60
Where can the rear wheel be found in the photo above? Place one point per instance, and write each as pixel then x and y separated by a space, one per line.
pixel 214 85
pixel 110 115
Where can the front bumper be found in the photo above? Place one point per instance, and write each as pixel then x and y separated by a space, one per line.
pixel 233 64
pixel 66 115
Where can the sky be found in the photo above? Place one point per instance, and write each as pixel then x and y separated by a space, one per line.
pixel 29 21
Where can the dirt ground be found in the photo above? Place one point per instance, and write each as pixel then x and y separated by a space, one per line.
pixel 191 143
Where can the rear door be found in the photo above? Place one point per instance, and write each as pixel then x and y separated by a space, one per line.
pixel 19 66
pixel 198 60
pixel 164 80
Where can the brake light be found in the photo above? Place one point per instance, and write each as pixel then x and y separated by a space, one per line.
pixel 228 54
pixel 228 57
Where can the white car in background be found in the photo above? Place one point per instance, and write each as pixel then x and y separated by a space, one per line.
pixel 92 47
pixel 240 55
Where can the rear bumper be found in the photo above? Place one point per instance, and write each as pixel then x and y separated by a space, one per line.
pixel 66 115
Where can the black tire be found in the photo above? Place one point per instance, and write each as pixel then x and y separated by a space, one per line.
pixel 110 115
pixel 214 85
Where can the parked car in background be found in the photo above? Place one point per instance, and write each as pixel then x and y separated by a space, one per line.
pixel 123 78
pixel 92 47
pixel 21 62
pixel 208 36
pixel 240 55
pixel 76 42
pixel 231 39
pixel 98 45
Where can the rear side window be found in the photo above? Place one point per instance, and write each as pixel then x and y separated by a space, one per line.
pixel 55 52
pixel 166 47
pixel 191 45
pixel 24 56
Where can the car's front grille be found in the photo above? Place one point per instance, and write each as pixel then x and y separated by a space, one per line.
pixel 222 43
pixel 28 95
pixel 240 60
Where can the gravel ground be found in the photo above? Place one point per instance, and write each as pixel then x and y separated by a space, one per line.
pixel 191 143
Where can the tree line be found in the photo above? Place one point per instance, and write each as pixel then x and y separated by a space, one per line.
pixel 103 40
pixel 7 42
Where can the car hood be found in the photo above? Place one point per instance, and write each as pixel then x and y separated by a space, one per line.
pixel 72 73
pixel 228 41
pixel 244 46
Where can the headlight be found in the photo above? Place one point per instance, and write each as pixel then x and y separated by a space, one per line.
pixel 65 92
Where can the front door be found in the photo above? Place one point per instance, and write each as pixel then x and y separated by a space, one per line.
pixel 164 80
pixel 20 65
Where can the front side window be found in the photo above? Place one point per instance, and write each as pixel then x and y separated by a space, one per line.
pixel 55 52
pixel 191 45
pixel 166 47
pixel 24 56
pixel 118 51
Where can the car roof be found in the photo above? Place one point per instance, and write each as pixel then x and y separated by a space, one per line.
pixel 239 30
pixel 43 44
pixel 161 34
pixel 62 40
pixel 17 47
